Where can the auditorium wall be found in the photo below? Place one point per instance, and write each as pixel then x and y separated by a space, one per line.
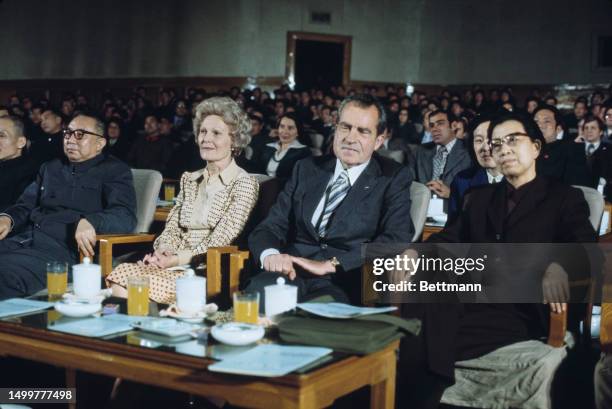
pixel 417 41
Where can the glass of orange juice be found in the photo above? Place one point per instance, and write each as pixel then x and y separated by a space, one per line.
pixel 57 279
pixel 169 192
pixel 246 307
pixel 138 295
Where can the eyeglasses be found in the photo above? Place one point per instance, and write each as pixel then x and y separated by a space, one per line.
pixel 78 133
pixel 510 140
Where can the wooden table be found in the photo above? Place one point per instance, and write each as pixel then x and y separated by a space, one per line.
pixel 315 389
pixel 161 213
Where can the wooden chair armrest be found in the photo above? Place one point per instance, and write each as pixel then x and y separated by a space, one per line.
pixel 237 261
pixel 106 243
pixel 557 329
pixel 605 328
pixel 213 268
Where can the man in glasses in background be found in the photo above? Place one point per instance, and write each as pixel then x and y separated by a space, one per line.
pixel 71 200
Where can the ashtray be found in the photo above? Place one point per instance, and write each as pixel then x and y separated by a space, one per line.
pixel 237 333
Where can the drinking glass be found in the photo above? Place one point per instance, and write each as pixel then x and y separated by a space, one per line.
pixel 246 307
pixel 138 295
pixel 57 279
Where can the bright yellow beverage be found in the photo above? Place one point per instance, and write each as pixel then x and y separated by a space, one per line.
pixel 138 298
pixel 57 283
pixel 246 307
pixel 169 192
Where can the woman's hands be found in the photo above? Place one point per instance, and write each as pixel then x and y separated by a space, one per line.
pixel 161 259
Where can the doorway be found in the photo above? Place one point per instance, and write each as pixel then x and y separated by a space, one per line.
pixel 317 60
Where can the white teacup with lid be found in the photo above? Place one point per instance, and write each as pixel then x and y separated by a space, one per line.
pixel 280 297
pixel 190 293
pixel 86 279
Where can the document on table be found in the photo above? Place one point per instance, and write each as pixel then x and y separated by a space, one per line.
pixel 19 306
pixel 96 327
pixel 340 310
pixel 270 360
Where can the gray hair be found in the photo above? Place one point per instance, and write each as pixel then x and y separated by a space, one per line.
pixel 233 116
pixel 365 101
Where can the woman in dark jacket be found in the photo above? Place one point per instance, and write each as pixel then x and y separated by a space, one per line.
pixel 278 158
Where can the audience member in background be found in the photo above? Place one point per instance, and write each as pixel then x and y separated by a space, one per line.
pixel 151 150
pixel 392 145
pixel 487 170
pixel 17 168
pixel 331 206
pixel 608 122
pixel 598 153
pixel 71 201
pixel 278 158
pixel 560 159
pixel 571 120
pixel 405 129
pixel 439 161
pixel 551 101
pixel 182 118
pixel 212 208
pixel 167 131
pixel 459 127
pixel 68 106
pixel 531 104
pixel 119 145
pixel 259 140
pixel 48 145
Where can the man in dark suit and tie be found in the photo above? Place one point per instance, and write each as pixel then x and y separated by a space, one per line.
pixel 598 153
pixel 438 162
pixel 332 206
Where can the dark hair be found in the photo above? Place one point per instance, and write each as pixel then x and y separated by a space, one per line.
pixel 469 138
pixel 531 128
pixel 593 118
pixel 256 118
pixel 298 124
pixel 554 110
pixel 581 101
pixel 438 112
pixel 54 112
pixel 366 101
pixel 532 98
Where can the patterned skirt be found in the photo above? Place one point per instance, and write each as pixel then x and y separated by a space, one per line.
pixel 162 283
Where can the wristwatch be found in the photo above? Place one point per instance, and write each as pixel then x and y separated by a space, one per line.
pixel 334 262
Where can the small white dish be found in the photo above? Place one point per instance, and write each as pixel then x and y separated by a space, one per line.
pixel 71 297
pixel 164 326
pixel 77 309
pixel 193 318
pixel 237 333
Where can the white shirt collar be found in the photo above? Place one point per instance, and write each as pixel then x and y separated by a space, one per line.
pixel 295 144
pixel 596 145
pixel 560 135
pixel 494 179
pixel 449 146
pixel 353 173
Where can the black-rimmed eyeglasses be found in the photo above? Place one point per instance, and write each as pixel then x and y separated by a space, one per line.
pixel 78 133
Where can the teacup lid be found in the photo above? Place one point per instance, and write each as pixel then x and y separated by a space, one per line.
pixel 86 264
pixel 280 285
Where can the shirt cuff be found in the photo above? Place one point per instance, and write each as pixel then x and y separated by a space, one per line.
pixel 11 219
pixel 266 253
pixel 184 257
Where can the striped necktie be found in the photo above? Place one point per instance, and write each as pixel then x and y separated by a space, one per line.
pixel 334 196
pixel 439 161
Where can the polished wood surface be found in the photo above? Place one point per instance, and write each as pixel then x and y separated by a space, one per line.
pixel 428 230
pixel 213 269
pixel 315 389
pixel 161 213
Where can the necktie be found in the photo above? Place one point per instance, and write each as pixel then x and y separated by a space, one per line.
pixel 439 161
pixel 590 149
pixel 334 196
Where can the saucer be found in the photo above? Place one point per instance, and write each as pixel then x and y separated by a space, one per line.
pixel 440 218
pixel 237 333
pixel 164 326
pixel 77 309
pixel 193 318
pixel 102 295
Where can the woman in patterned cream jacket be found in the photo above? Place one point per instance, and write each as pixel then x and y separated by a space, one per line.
pixel 212 207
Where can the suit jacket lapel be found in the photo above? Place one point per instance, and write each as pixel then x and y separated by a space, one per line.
pixel 454 157
pixel 363 186
pixel 314 191
pixel 496 210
